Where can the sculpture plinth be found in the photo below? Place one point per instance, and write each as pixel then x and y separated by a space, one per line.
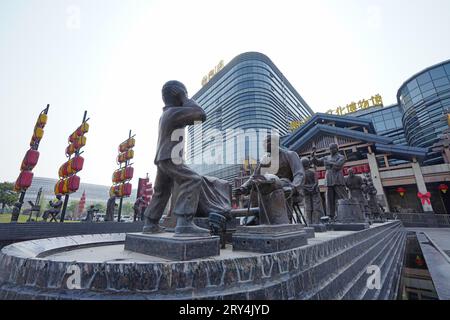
pixel 165 245
pixel 350 216
pixel 269 238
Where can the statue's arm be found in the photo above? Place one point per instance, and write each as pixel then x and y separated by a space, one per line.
pixel 298 172
pixel 339 164
pixel 318 161
pixel 189 113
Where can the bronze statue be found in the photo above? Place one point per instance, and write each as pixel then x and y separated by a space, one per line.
pixel 334 178
pixel 311 193
pixel 291 177
pixel 137 208
pixel 56 206
pixel 110 209
pixel 356 186
pixel 374 207
pixel 173 175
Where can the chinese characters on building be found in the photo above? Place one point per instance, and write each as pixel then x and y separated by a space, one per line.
pixel 374 101
pixel 294 125
pixel 213 72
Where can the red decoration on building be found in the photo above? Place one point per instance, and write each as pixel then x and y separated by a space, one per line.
pixel 443 188
pixel 365 168
pixel 401 191
pixel 425 198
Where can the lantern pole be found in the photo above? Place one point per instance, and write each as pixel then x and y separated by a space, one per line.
pixel 119 214
pixel 66 198
pixel 23 192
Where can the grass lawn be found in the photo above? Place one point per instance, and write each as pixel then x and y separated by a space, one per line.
pixel 6 218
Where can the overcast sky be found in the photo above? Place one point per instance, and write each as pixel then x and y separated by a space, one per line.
pixel 111 58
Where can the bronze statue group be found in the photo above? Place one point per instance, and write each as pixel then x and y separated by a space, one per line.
pixel 279 194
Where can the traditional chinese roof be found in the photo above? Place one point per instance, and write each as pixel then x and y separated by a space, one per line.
pixel 322 119
pixel 344 127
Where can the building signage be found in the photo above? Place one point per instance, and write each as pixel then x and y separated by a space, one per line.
pixel 374 101
pixel 294 125
pixel 213 72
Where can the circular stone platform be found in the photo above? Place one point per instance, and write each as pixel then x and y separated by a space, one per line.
pixel 98 267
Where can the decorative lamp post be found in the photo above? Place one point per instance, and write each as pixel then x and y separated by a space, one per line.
pixel 69 182
pixel 121 177
pixel 30 160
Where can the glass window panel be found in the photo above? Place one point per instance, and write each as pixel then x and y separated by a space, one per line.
pixel 390 124
pixel 416 99
pixel 437 73
pixel 447 69
pixel 423 78
pixel 415 92
pixel 426 87
pixel 429 93
pixel 412 85
pixel 441 82
pixel 380 126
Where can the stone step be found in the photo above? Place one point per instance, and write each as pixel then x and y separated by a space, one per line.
pixel 358 287
pixel 345 276
pixel 390 287
pixel 339 263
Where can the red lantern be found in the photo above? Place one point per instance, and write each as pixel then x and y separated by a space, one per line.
pixel 419 261
pixel 401 191
pixel 443 188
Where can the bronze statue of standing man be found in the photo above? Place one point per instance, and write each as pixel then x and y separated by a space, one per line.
pixel 172 172
pixel 334 178
pixel 311 192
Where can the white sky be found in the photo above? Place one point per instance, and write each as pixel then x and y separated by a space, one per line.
pixel 113 57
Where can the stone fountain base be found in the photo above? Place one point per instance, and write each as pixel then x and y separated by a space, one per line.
pixel 332 266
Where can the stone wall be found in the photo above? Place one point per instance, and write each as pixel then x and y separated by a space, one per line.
pixel 424 220
pixel 12 233
pixel 336 268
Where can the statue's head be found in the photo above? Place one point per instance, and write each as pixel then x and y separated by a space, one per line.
pixel 351 172
pixel 306 163
pixel 174 93
pixel 58 196
pixel 334 148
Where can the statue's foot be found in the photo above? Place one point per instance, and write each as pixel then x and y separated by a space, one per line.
pixel 187 228
pixel 152 228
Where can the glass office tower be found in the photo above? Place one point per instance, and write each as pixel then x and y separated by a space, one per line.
pixel 425 100
pixel 386 120
pixel 243 102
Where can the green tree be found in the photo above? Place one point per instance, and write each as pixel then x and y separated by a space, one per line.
pixel 72 207
pixel 127 208
pixel 100 206
pixel 7 195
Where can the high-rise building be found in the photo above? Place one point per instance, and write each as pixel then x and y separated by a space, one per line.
pixel 425 100
pixel 249 94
